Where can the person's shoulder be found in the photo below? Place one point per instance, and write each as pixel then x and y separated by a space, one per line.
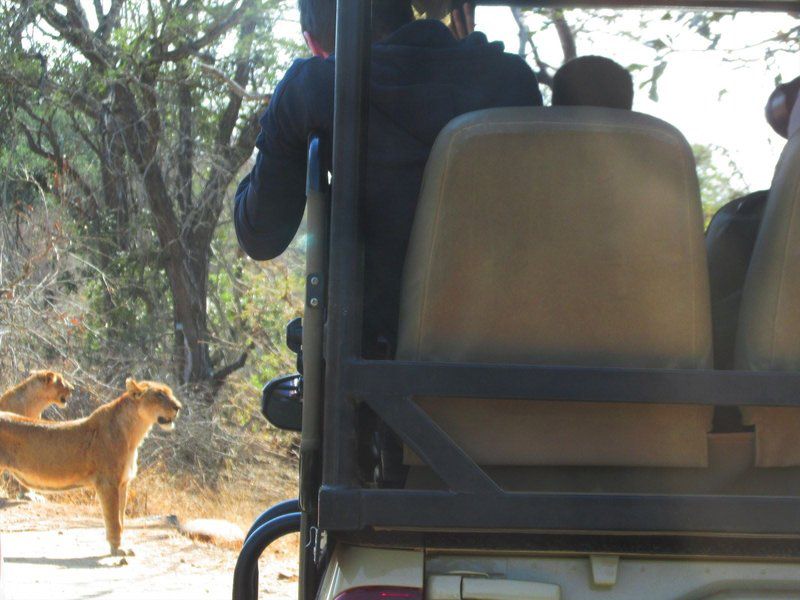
pixel 518 72
pixel 495 50
pixel 309 71
pixel 747 205
pixel 734 214
pixel 306 83
pixel 752 205
pixel 515 61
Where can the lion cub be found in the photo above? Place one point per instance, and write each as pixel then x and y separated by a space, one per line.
pixel 33 395
pixel 98 451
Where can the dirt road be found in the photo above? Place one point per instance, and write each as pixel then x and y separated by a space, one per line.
pixel 58 552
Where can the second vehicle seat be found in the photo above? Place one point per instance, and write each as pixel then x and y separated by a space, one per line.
pixel 768 336
pixel 561 236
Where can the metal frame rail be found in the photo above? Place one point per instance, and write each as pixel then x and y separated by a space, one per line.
pixel 474 502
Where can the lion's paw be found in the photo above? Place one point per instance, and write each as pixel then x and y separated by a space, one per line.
pixel 117 551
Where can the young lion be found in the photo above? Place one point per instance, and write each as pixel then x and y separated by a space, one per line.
pixel 98 451
pixel 31 397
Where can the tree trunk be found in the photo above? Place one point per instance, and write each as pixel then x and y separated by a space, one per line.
pixel 192 318
pixel 187 272
pixel 186 254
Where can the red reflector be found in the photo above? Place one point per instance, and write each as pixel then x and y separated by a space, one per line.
pixel 378 592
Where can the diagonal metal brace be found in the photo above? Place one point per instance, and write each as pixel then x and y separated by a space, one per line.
pixel 433 446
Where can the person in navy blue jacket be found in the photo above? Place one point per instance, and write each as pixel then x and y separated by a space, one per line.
pixel 421 77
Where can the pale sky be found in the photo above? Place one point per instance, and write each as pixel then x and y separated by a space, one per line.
pixel 689 90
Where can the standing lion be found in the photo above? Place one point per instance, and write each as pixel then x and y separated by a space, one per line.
pixel 98 451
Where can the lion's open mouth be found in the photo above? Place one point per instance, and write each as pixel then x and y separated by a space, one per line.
pixel 166 424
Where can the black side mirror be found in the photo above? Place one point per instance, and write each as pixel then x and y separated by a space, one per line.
pixel 294 335
pixel 294 340
pixel 282 402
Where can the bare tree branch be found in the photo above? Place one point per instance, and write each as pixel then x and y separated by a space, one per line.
pixel 565 35
pixel 212 33
pixel 185 142
pixel 74 28
pixel 109 21
pixel 54 155
pixel 234 87
pixel 220 375
pixel 543 75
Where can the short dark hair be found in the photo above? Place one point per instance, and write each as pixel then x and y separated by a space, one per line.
pixel 593 81
pixel 318 17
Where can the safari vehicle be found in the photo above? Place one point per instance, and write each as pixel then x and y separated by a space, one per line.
pixel 553 392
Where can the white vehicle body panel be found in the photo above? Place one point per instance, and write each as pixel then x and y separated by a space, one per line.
pixel 576 577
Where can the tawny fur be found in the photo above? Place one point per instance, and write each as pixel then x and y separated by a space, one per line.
pixel 98 451
pixel 33 395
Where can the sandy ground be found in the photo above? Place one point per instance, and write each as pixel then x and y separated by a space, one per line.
pixel 58 552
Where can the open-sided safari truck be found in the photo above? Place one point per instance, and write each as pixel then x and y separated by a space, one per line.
pixel 554 388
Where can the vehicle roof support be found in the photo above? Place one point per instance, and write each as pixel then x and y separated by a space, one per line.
pixel 353 47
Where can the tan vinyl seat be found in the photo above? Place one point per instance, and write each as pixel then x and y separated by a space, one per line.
pixel 768 337
pixel 561 236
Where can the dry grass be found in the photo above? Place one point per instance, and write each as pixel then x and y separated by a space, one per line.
pixel 238 496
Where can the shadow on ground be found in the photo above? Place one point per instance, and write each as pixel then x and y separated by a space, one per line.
pixel 64 563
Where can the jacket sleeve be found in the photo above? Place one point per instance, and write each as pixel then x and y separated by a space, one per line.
pixel 270 200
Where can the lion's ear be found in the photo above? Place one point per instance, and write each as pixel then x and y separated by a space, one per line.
pixel 44 376
pixel 133 388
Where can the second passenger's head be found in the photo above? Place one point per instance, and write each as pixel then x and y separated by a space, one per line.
pixel 593 81
pixel 318 21
pixel 783 108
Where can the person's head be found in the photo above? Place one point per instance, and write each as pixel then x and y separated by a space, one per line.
pixel 593 81
pixel 782 110
pixel 794 121
pixel 318 21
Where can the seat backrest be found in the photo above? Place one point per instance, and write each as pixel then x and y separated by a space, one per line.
pixel 572 236
pixel 768 336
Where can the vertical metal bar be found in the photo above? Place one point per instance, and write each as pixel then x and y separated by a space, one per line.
pixel 308 575
pixel 353 41
pixel 313 361
pixel 313 324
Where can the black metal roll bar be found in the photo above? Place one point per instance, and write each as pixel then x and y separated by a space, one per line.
pixel 316 308
pixel 343 329
pixel 245 575
pixel 283 508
